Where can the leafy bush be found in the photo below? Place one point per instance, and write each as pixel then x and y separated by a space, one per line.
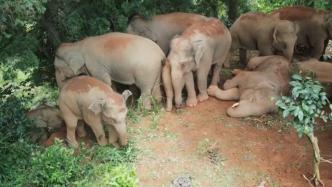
pixel 55 165
pixel 305 104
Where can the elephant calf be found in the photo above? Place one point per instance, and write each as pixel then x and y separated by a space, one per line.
pixel 265 33
pixel 95 102
pixel 125 58
pixel 46 119
pixel 201 45
pixel 315 27
pixel 257 90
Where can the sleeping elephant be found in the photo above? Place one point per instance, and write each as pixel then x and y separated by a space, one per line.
pixel 322 70
pixel 267 34
pixel 200 46
pixel 94 102
pixel 162 28
pixel 256 90
pixel 124 58
pixel 46 119
pixel 315 27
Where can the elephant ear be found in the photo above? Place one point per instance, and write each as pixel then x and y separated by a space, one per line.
pixel 139 25
pixel 278 44
pixel 76 62
pixel 198 50
pixel 97 106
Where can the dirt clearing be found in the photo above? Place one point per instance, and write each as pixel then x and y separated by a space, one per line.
pixel 208 148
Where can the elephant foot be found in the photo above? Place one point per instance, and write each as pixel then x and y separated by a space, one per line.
pixel 191 102
pixel 212 90
pixel 81 132
pixel 72 144
pixel 116 144
pixel 202 97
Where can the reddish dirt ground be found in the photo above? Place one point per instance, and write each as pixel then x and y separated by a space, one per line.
pixel 216 150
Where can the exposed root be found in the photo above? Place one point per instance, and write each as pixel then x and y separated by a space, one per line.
pixel 235 105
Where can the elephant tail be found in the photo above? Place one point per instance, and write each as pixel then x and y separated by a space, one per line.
pixel 167 81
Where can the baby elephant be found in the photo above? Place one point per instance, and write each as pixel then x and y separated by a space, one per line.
pixel 199 47
pixel 96 103
pixel 257 90
pixel 46 119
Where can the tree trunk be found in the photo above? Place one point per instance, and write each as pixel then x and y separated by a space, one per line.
pixel 232 9
pixel 316 174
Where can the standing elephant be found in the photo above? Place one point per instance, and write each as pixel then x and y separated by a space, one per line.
pixel 162 28
pixel 315 27
pixel 257 90
pixel 95 102
pixel 200 46
pixel 267 34
pixel 124 58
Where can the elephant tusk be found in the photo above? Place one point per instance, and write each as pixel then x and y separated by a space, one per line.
pixel 235 105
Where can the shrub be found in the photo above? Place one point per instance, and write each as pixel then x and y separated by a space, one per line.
pixel 305 104
pixel 55 165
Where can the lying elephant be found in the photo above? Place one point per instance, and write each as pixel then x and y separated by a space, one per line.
pixel 162 28
pixel 322 70
pixel 267 34
pixel 257 90
pixel 96 103
pixel 200 46
pixel 315 27
pixel 46 119
pixel 124 58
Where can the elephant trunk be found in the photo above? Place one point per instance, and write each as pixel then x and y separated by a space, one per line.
pixel 60 78
pixel 168 86
pixel 288 53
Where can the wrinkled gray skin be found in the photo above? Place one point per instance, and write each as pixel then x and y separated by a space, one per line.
pixel 267 34
pixel 95 103
pixel 315 28
pixel 46 119
pixel 196 50
pixel 162 28
pixel 257 90
pixel 124 58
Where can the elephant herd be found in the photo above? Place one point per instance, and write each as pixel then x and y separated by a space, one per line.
pixel 177 50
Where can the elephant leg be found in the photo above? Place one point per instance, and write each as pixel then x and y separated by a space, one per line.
pixel 247 108
pixel 146 96
pixel 71 123
pixel 216 73
pixel 243 56
pixel 190 86
pixel 112 136
pixel 122 133
pixel 156 92
pixel 178 82
pixel 256 61
pixel 94 122
pixel 318 47
pixel 80 129
pixel 230 94
pixel 202 74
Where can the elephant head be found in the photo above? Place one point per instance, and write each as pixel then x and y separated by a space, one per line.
pixel 140 26
pixel 68 63
pixel 284 37
pixel 113 112
pixel 184 57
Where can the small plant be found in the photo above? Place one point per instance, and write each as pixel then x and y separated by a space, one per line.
pixel 54 166
pixel 305 105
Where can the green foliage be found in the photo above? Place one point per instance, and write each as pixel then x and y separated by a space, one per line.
pixel 55 166
pixel 305 105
